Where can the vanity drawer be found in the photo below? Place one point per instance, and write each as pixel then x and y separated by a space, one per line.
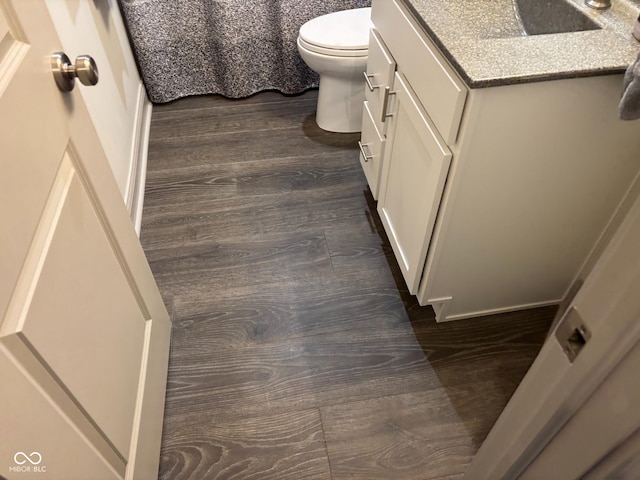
pixel 371 150
pixel 380 69
pixel 434 81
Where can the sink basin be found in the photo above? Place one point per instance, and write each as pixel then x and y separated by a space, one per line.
pixel 523 18
pixel 540 17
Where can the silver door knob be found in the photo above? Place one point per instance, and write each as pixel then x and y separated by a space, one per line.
pixel 65 73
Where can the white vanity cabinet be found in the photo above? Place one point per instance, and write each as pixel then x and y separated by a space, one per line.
pixel 494 198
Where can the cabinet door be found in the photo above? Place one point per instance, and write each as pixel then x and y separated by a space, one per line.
pixel 414 173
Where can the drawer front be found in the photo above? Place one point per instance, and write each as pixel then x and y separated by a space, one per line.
pixel 372 150
pixel 436 84
pixel 415 168
pixel 380 69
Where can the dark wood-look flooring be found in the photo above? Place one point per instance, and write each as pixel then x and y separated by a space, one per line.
pixel 297 352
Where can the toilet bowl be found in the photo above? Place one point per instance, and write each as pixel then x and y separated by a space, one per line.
pixel 336 46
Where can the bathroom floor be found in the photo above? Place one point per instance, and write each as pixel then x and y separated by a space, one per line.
pixel 297 353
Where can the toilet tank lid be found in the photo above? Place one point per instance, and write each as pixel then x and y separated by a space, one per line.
pixel 346 29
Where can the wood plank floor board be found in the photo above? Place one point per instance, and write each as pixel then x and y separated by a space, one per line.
pixel 184 185
pixel 197 103
pixel 311 372
pixel 259 314
pixel 306 372
pixel 294 248
pixel 237 262
pixel 166 152
pixel 289 446
pixel 242 217
pixel 297 351
pixel 299 174
pixel 392 437
pixel 357 248
pixel 327 161
pixel 317 176
pixel 233 117
pixel 279 213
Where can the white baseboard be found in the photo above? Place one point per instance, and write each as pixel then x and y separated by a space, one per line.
pixel 139 151
pixel 441 308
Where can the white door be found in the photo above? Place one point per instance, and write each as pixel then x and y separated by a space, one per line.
pixel 83 330
pixel 568 415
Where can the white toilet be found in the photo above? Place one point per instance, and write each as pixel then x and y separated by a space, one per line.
pixel 336 46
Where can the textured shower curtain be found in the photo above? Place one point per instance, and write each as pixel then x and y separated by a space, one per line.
pixel 230 47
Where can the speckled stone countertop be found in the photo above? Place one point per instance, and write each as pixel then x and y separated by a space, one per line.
pixel 485 42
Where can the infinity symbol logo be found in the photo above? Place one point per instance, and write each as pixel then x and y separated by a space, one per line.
pixel 27 458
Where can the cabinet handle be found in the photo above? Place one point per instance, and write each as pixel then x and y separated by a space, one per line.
pixel 385 103
pixel 363 152
pixel 369 84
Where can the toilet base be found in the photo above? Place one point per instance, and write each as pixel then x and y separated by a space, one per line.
pixel 340 104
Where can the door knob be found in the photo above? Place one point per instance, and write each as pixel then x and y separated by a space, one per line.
pixel 65 73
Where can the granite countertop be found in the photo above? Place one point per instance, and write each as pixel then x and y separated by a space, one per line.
pixel 486 44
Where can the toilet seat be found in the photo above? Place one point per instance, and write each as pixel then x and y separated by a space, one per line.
pixel 332 52
pixel 340 34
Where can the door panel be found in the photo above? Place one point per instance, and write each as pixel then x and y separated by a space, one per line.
pixel 108 335
pixel 9 40
pixel 63 453
pixel 22 76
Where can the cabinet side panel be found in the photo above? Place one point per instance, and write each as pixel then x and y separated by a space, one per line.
pixel 531 193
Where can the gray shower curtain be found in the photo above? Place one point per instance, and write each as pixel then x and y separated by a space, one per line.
pixel 230 47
